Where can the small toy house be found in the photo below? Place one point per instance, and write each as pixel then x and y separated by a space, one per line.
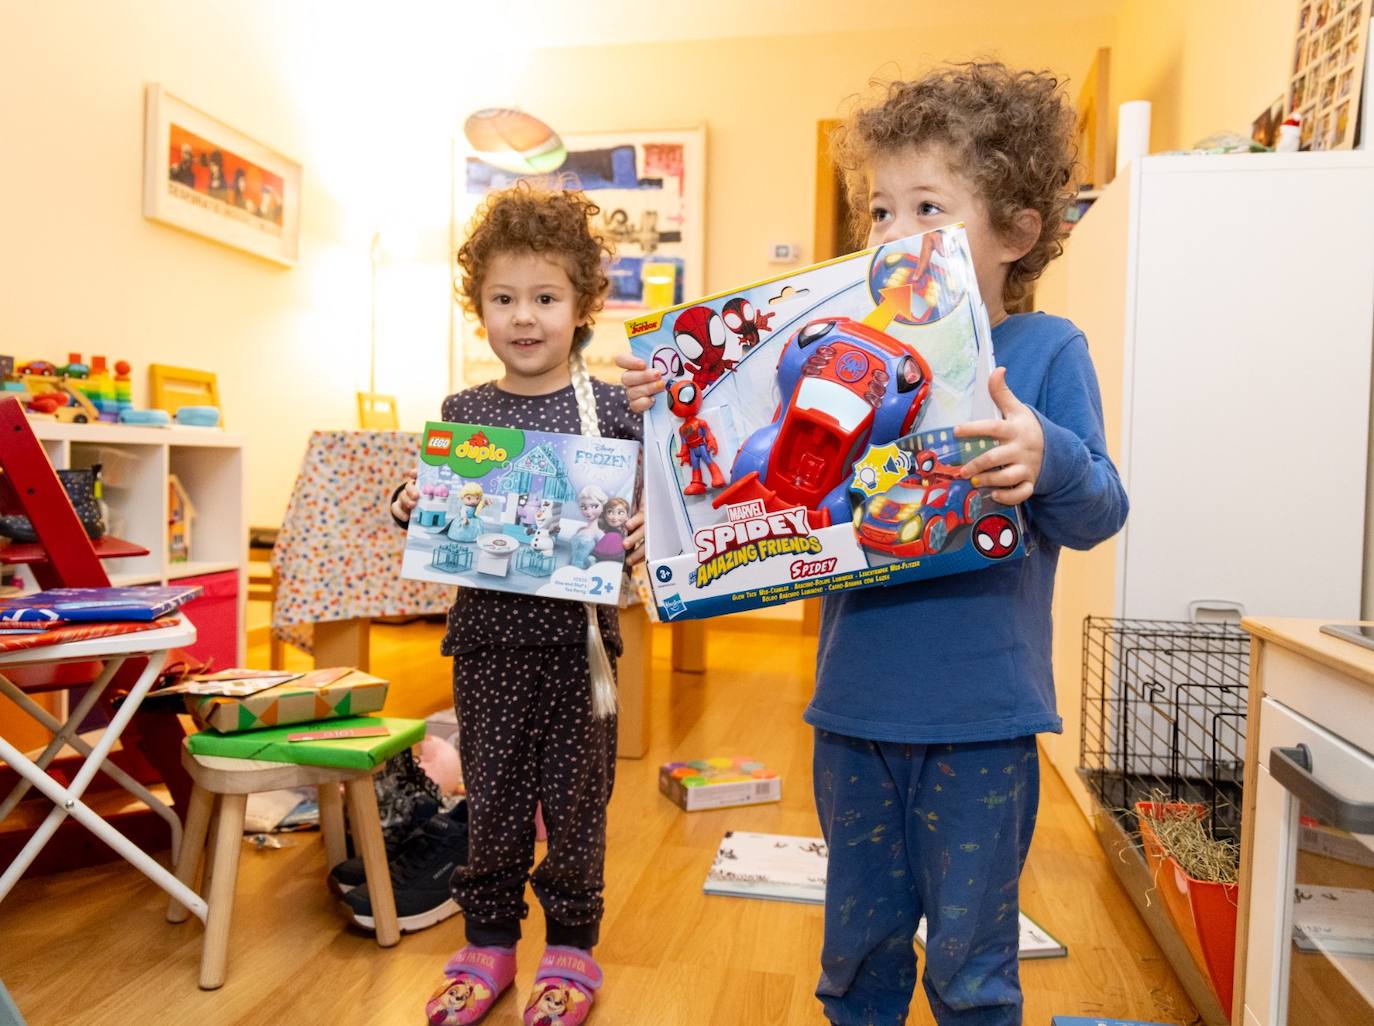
pixel 180 514
pixel 538 474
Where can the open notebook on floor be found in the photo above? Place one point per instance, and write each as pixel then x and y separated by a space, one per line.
pixel 786 868
pixel 1035 942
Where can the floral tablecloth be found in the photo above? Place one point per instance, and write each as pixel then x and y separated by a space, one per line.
pixel 338 554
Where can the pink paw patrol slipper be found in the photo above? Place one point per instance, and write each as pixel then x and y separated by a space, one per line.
pixel 475 978
pixel 564 985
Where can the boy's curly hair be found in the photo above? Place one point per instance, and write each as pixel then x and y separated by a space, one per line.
pixel 1010 133
pixel 555 222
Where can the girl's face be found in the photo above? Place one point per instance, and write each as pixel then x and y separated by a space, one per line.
pixel 529 308
pixel 591 508
pixel 915 189
pixel 471 499
pixel 617 515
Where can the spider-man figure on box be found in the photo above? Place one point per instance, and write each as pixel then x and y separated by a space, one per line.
pixel 698 444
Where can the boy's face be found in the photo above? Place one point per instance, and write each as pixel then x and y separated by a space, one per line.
pixel 915 190
pixel 529 308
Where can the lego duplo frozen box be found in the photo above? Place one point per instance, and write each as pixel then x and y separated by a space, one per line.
pixel 805 442
pixel 525 511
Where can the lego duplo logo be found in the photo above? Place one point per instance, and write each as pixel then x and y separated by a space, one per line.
pixel 471 450
pixel 478 448
pixel 750 536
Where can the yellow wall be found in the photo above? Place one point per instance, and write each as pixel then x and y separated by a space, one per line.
pixel 1205 67
pixel 368 106
pixel 761 99
pixel 81 270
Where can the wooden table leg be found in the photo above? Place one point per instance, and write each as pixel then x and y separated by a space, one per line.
pixel 367 837
pixel 192 848
pixel 689 646
pixel 633 673
pixel 332 824
pixel 343 643
pixel 228 842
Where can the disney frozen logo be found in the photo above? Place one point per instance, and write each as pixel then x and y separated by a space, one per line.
pixel 601 456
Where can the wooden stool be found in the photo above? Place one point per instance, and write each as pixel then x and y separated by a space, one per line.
pixel 229 782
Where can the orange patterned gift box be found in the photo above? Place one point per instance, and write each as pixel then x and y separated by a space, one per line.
pixel 321 695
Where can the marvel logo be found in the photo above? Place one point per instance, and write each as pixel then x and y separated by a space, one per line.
pixel 439 443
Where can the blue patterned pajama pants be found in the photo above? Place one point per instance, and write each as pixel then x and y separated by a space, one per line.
pixel 934 830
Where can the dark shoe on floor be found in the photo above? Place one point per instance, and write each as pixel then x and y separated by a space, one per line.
pixel 420 875
pixel 349 873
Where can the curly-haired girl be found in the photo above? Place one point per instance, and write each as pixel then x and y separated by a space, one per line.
pixel 531 676
pixel 925 766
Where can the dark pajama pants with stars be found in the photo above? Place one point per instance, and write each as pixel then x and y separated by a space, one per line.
pixel 526 736
pixel 934 830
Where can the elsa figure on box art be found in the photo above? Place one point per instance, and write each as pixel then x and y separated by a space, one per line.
pixel 467 525
pixel 591 500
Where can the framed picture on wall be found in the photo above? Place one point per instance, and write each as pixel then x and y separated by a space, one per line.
pixel 651 188
pixel 205 177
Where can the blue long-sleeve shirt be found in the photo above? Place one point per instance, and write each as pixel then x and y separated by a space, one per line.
pixel 967 657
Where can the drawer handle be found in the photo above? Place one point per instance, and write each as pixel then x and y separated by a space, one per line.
pixel 1292 767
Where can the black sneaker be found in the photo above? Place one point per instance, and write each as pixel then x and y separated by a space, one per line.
pixel 350 874
pixel 420 875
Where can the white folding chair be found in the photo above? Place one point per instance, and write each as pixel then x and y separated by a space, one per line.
pixel 112 651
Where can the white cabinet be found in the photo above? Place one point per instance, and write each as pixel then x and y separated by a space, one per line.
pixel 136 462
pixel 1238 292
pixel 1228 304
pixel 1306 930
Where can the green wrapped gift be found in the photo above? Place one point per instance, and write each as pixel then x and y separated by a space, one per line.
pixel 272 744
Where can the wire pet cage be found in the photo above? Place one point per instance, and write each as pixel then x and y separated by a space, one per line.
pixel 1164 710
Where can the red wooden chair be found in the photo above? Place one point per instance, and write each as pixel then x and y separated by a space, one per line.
pixel 64 557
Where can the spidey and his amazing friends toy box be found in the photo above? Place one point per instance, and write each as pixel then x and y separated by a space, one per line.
pixel 804 442
pixel 524 511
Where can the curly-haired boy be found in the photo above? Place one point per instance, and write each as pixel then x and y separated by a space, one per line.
pixel 929 695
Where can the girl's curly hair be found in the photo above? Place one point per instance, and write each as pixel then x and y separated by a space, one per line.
pixel 1010 133
pixel 554 222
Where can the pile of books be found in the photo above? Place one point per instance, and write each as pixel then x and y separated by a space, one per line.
pixel 61 615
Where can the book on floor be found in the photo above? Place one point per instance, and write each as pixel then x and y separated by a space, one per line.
pixel 1035 940
pixel 776 866
pixel 786 868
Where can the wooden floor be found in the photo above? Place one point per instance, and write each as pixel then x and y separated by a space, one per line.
pixel 92 946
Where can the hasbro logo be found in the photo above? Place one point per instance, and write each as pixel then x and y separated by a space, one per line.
pixel 674 606
pixel 664 574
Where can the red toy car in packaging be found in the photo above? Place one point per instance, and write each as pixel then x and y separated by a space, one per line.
pixel 810 446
